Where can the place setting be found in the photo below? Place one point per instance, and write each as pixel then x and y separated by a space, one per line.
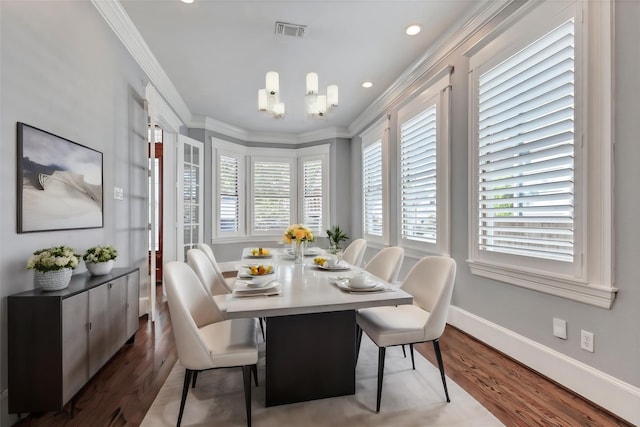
pixel 360 282
pixel 259 253
pixel 257 280
pixel 331 263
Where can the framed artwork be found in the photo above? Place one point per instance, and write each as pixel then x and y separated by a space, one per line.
pixel 59 183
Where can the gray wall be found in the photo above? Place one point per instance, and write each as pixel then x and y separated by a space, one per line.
pixel 529 313
pixel 64 71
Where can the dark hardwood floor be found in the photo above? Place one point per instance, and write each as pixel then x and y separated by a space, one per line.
pixel 123 390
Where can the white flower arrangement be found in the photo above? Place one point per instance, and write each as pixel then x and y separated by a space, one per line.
pixel 100 254
pixel 53 259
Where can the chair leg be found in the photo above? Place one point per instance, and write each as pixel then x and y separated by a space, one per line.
pixel 262 328
pixel 246 376
pixel 404 352
pixel 254 369
pixel 381 354
pixel 193 380
pixel 358 341
pixel 413 362
pixel 436 348
pixel 185 388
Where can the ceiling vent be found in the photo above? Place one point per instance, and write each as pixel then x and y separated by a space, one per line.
pixel 287 29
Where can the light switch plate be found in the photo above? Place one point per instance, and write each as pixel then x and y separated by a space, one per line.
pixel 118 193
pixel 560 328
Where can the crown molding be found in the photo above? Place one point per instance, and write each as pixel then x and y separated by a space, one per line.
pixel 121 24
pixel 226 129
pixel 448 43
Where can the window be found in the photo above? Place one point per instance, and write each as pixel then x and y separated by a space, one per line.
pixel 532 194
pixel 264 197
pixel 423 168
pixel 312 195
pixel 374 187
pixel 229 195
pixel 272 195
pixel 526 147
pixel 419 219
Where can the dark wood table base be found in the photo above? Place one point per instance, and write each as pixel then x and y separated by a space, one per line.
pixel 310 356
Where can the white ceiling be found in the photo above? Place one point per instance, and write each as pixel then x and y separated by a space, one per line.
pixel 216 53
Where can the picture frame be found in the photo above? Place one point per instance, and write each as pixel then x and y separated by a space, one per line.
pixel 59 183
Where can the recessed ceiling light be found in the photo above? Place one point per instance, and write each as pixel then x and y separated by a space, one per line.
pixel 412 30
pixel 187 1
pixel 367 84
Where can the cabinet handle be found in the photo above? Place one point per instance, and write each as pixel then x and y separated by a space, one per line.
pixel 89 325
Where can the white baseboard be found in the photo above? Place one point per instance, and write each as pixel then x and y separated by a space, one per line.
pixel 143 306
pixel 614 395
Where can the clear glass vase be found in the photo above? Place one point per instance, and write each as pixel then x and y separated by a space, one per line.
pixel 298 248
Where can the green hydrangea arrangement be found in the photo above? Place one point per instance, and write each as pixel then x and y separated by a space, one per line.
pixel 100 254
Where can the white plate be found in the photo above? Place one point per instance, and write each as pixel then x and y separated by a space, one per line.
pixel 338 267
pixel 259 256
pixel 246 289
pixel 344 285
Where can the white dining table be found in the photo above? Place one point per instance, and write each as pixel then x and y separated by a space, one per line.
pixel 310 326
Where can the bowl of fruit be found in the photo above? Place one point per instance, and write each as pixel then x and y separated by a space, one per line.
pixel 260 253
pixel 320 261
pixel 260 270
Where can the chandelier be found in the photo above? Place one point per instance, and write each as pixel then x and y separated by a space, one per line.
pixel 317 105
pixel 269 98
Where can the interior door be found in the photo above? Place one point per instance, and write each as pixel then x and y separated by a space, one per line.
pixel 190 194
pixel 156 203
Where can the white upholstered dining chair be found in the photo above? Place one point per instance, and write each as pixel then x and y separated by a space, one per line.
pixel 354 253
pixel 200 263
pixel 202 341
pixel 228 282
pixel 430 282
pixel 386 263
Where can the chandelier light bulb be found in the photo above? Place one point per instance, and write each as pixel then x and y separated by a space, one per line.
pixel 332 96
pixel 262 100
pixel 312 84
pixel 272 82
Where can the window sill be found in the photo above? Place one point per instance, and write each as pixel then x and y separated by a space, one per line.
pixel 599 296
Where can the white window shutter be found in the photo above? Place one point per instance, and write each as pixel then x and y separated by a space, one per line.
pixel 229 196
pixel 526 151
pixel 271 196
pixel 418 177
pixel 372 190
pixel 312 204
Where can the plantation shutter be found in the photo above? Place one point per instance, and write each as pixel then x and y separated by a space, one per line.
pixel 229 201
pixel 526 151
pixel 418 177
pixel 312 195
pixel 272 196
pixel 372 189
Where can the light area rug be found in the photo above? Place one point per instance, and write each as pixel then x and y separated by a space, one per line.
pixel 409 398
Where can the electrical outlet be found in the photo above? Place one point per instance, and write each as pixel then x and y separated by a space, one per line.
pixel 560 328
pixel 586 340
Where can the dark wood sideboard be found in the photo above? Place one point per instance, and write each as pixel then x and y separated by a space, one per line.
pixel 58 340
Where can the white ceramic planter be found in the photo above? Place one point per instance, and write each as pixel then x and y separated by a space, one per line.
pixel 99 268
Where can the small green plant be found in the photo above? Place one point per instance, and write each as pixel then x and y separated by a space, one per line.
pixel 336 235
